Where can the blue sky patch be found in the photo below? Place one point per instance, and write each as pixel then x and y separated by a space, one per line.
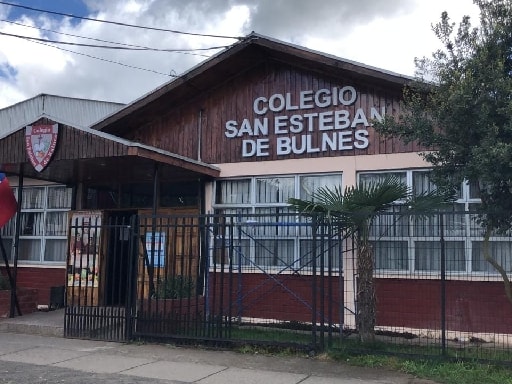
pixel 73 7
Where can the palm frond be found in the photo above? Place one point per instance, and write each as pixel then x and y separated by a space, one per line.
pixel 430 202
pixel 375 197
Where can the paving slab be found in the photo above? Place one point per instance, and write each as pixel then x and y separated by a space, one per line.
pixel 338 380
pixel 103 363
pixel 7 348
pixel 42 355
pixel 252 376
pixel 169 370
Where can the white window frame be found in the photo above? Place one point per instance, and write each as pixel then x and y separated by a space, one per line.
pixel 44 209
pixel 467 238
pixel 295 234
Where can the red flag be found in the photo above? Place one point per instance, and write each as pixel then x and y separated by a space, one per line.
pixel 8 205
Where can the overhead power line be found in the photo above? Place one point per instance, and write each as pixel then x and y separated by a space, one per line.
pixel 106 60
pixel 72 35
pixel 119 23
pixel 109 46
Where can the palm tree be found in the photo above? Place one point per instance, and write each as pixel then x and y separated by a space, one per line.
pixel 354 211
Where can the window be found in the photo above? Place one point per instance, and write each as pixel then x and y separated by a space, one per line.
pixel 413 243
pixel 43 224
pixel 274 236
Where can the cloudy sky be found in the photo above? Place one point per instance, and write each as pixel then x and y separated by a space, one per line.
pixel 381 33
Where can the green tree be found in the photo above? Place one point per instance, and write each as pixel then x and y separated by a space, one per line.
pixel 460 111
pixel 354 211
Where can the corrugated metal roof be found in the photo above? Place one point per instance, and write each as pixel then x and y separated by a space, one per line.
pixel 75 112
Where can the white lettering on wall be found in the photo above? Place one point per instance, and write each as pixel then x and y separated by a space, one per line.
pixel 338 129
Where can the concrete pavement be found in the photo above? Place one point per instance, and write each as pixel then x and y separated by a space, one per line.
pixel 32 350
pixel 46 359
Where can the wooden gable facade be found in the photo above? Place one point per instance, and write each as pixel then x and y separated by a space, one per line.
pixel 266 100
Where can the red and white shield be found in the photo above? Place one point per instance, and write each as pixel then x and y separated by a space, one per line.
pixel 40 143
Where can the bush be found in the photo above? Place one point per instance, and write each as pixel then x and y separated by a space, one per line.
pixel 174 287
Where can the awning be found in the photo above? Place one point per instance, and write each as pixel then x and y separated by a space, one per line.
pixel 90 156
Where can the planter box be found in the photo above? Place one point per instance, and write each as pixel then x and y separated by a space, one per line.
pixel 26 299
pixel 161 317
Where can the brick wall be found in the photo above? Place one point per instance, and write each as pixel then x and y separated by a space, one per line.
pixel 26 300
pixel 281 297
pixel 40 280
pixel 471 306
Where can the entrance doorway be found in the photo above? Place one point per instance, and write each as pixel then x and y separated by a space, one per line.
pixel 120 257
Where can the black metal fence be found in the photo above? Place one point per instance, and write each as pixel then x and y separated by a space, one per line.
pixel 286 279
pixel 250 278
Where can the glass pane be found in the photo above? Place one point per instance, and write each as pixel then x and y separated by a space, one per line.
pixel 32 223
pixel 7 244
pixel 8 228
pixel 233 192
pixel 310 184
pixel 366 178
pixel 474 190
pixel 56 224
pixel 454 223
pixel 226 250
pixel 391 255
pixel 179 194
pixel 55 250
pixel 331 249
pixel 101 198
pixel 30 249
pixel 421 183
pixel 275 189
pixel 137 196
pixel 476 229
pixel 499 250
pixel 275 221
pixel 273 252
pixel 59 198
pixel 394 223
pixel 33 198
pixel 428 256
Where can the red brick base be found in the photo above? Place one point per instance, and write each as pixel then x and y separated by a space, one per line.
pixel 26 300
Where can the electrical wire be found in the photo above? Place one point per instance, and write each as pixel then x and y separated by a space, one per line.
pixel 106 60
pixel 110 46
pixel 72 35
pixel 119 23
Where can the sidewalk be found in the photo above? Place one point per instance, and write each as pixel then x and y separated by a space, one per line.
pixel 175 364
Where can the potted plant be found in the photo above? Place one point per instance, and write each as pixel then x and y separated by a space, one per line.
pixel 174 287
pixel 173 307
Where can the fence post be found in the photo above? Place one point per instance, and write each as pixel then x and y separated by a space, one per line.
pixel 131 297
pixel 443 285
pixel 313 284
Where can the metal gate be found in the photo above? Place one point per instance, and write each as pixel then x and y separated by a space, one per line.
pixel 101 271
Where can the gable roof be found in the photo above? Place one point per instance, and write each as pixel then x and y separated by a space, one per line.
pixel 66 110
pixel 247 53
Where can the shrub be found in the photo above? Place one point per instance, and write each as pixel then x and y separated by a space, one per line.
pixel 174 287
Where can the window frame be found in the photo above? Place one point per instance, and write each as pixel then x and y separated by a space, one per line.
pixel 468 236
pixel 45 210
pixel 296 234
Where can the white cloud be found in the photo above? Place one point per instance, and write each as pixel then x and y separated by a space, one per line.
pixel 375 32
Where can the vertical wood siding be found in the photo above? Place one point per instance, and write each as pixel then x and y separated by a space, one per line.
pixel 176 130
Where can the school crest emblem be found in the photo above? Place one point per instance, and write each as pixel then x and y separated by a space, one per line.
pixel 40 143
